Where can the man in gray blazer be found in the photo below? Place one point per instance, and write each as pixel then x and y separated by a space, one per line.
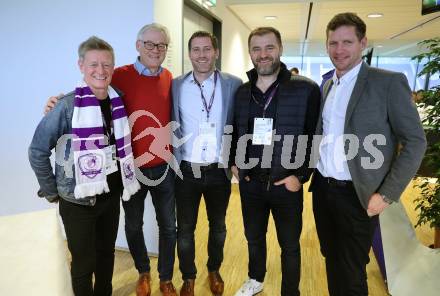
pixel 366 116
pixel 202 106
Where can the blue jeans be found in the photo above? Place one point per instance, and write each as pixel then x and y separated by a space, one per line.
pixel 216 189
pixel 164 204
pixel 257 202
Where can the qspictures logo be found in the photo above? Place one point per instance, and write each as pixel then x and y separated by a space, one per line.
pixel 295 150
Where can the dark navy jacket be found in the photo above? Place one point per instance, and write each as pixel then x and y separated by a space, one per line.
pixel 297 112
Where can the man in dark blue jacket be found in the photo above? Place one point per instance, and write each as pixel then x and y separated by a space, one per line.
pixel 277 113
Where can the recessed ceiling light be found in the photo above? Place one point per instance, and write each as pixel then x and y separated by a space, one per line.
pixel 270 17
pixel 208 3
pixel 375 15
pixel 379 46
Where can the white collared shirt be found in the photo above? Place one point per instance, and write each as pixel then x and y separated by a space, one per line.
pixel 192 114
pixel 333 161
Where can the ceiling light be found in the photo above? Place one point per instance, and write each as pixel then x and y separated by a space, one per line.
pixel 375 15
pixel 209 3
pixel 379 46
pixel 270 17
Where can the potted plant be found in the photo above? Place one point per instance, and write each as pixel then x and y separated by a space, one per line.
pixel 428 204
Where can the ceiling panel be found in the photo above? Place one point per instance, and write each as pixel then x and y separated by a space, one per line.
pixel 291 18
pixel 388 31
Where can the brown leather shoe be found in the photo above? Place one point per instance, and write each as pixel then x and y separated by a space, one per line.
pixel 187 288
pixel 216 283
pixel 167 288
pixel 143 285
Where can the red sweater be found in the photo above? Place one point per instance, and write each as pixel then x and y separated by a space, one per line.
pixel 151 94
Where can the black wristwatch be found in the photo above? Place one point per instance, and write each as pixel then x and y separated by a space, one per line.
pixel 301 179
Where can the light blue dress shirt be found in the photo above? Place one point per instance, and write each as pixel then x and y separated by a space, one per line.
pixel 143 70
pixel 193 113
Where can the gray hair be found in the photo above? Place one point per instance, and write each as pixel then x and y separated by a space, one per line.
pixel 154 27
pixel 94 43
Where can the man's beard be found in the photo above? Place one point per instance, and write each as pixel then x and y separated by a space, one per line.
pixel 268 70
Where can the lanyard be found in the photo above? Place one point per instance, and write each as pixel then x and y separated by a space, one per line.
pixel 202 96
pixel 107 122
pixel 268 100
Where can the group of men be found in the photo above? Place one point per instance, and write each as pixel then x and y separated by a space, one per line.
pixel 270 116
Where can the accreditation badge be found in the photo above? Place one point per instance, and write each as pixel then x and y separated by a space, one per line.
pixel 207 130
pixel 110 159
pixel 262 131
pixel 208 139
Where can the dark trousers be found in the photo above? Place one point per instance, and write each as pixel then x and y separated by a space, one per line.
pixel 257 202
pixel 345 233
pixel 91 234
pixel 216 189
pixel 164 204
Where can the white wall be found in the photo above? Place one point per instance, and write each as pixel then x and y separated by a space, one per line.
pixel 169 14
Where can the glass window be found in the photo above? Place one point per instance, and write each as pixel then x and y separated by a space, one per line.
pixel 405 65
pixel 311 67
pixel 315 67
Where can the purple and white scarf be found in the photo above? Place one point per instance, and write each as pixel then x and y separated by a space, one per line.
pixel 89 144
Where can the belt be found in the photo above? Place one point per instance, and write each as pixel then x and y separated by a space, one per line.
pixel 332 181
pixel 335 182
pixel 338 183
pixel 202 166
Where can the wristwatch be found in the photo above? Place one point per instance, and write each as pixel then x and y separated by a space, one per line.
pixel 386 199
pixel 301 179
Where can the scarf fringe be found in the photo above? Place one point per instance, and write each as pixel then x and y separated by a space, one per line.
pixel 90 189
pixel 129 190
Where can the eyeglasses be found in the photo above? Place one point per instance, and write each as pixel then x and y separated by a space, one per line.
pixel 148 45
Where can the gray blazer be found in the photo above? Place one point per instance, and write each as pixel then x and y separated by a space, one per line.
pixel 229 85
pixel 381 104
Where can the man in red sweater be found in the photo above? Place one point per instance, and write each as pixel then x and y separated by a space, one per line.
pixel 146 86
pixel 147 90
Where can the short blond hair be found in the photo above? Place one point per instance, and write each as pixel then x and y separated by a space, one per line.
pixel 94 43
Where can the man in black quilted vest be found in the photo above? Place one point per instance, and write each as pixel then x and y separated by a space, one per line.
pixel 275 117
